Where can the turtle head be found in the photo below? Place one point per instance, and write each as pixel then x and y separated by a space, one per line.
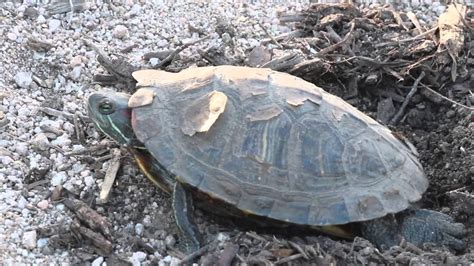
pixel 110 113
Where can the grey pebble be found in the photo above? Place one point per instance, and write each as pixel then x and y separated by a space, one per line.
pixel 170 241
pixel 29 239
pixel 40 19
pixel 11 36
pixel 75 73
pixel 98 261
pixel 89 181
pixel 23 79
pixel 139 229
pixel 222 237
pixel 62 141
pixel 137 258
pixel 136 9
pixel 40 142
pixel 21 148
pixel 120 32
pixel 147 221
pixel 54 25
pixel 42 242
pixel 22 202
pixel 6 159
pixel 154 61
pixel 58 178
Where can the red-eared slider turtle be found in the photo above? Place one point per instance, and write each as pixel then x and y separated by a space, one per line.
pixel 272 146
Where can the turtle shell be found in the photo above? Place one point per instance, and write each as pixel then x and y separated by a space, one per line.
pixel 273 145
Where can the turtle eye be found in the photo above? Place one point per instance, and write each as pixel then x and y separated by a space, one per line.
pixel 106 107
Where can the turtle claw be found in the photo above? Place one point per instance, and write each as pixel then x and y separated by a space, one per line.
pixel 417 227
pixel 423 226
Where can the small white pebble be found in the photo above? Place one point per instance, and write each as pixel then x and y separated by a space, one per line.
pixel 23 79
pixel 137 258
pixel 139 229
pixel 29 239
pixel 98 261
pixel 42 242
pixel 120 32
pixel 221 237
pixel 43 205
pixel 54 25
pixel 22 202
pixel 11 36
pixel 170 241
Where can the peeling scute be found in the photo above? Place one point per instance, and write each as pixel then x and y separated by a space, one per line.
pixel 141 97
pixel 297 101
pixel 237 74
pixel 196 84
pixel 338 114
pixel 266 113
pixel 203 113
pixel 343 106
pixel 296 97
pixel 295 90
pixel 152 77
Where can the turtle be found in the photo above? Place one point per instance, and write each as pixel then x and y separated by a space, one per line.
pixel 269 146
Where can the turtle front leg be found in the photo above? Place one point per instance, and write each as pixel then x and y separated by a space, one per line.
pixel 417 227
pixel 189 236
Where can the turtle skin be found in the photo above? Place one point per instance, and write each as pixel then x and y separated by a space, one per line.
pixel 274 146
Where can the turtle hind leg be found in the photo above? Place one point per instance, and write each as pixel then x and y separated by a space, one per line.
pixel 417 227
pixel 189 237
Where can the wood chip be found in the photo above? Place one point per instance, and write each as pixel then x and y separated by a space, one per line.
pixel 228 254
pixel 110 176
pixel 450 23
pixel 103 245
pixel 415 22
pixel 88 216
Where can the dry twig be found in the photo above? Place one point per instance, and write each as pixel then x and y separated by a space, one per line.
pixel 285 36
pixel 445 98
pixel 197 253
pixel 299 249
pixel 412 92
pixel 417 37
pixel 269 35
pixel 339 44
pixel 167 61
pixel 289 258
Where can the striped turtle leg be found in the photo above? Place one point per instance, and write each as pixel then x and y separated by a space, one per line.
pixel 183 208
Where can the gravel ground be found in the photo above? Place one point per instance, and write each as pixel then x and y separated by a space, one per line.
pixel 35 143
